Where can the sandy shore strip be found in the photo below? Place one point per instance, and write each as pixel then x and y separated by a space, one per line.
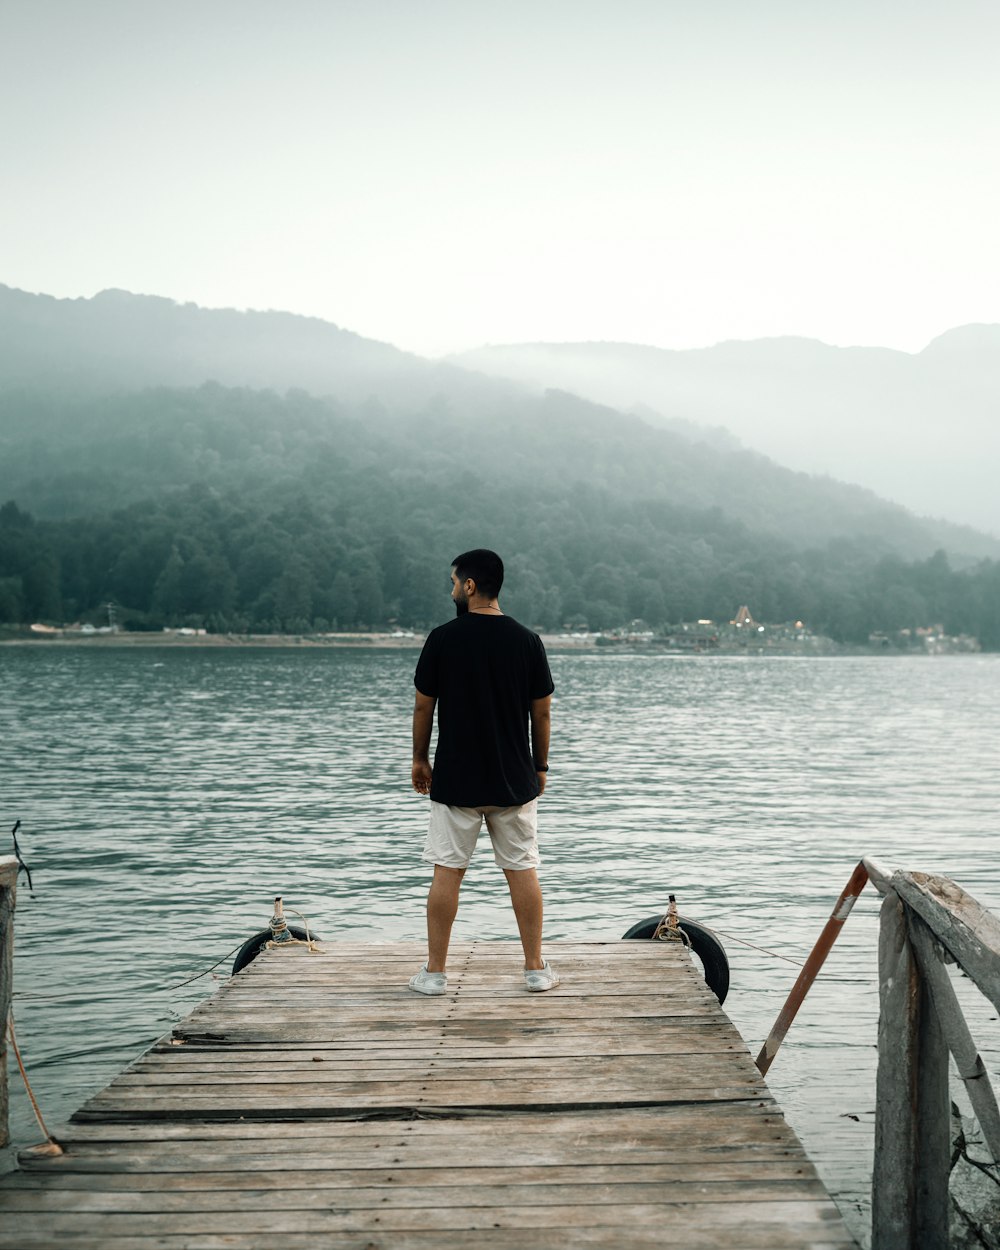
pixel 175 638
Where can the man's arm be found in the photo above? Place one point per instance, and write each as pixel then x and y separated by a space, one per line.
pixel 541 723
pixel 423 723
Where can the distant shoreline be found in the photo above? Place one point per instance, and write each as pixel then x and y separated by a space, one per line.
pixel 378 641
pixel 375 641
pixel 173 639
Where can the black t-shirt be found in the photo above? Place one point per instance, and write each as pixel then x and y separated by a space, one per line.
pixel 484 672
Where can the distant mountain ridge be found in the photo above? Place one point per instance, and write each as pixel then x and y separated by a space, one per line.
pixel 117 343
pixel 923 430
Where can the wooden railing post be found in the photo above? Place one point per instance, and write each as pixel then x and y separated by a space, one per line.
pixel 971 1068
pixel 910 1208
pixel 8 892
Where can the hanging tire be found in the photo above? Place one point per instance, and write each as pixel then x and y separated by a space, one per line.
pixel 252 947
pixel 704 943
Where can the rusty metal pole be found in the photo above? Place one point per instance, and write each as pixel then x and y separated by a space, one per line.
pixel 841 910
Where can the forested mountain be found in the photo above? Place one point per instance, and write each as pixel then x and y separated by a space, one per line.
pixel 921 429
pixel 240 508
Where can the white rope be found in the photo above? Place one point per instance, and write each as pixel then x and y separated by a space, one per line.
pixel 763 949
pixel 294 941
pixel 50 1145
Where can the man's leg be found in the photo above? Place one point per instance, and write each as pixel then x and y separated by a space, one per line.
pixel 442 907
pixel 526 896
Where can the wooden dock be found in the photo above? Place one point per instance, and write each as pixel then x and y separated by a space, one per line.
pixel 316 1101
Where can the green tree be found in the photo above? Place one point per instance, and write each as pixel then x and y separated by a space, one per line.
pixel 294 594
pixel 345 607
pixel 11 600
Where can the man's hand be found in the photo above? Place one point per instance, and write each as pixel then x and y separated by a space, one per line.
pixel 421 775
pixel 541 725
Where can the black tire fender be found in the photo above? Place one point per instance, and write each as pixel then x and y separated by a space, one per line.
pixel 252 947
pixel 704 943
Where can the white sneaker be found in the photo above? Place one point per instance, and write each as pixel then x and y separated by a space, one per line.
pixel 544 978
pixel 429 982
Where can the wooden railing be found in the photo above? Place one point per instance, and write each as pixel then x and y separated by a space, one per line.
pixel 8 887
pixel 926 922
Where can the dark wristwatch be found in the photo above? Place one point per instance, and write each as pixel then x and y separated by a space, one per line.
pixel 541 768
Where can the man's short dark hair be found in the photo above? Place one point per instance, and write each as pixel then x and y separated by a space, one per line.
pixel 484 567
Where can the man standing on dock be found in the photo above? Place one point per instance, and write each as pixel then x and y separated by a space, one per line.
pixel 489 679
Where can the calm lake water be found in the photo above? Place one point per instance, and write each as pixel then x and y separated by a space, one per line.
pixel 167 795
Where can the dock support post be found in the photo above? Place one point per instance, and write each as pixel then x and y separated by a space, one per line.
pixel 8 893
pixel 910 1209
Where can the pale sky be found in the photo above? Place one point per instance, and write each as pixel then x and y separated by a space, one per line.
pixel 441 174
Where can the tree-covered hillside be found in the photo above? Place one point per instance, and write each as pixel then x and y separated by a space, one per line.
pixel 921 429
pixel 242 509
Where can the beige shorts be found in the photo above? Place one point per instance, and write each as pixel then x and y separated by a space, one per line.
pixel 451 837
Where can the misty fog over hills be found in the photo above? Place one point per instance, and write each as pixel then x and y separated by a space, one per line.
pixel 923 430
pixel 118 341
pixel 74 350
pixel 274 473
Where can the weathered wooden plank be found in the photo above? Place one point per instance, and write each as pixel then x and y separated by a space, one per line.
pixel 493 1239
pixel 685 1066
pixel 359 1027
pixel 8 896
pixel 517 999
pixel 243 1161
pixel 428 1010
pixel 383 1018
pixel 666 961
pixel 332 957
pixel 473 1192
pixel 671 1131
pixel 575 974
pixel 963 926
pixel 484 1059
pixel 467 1031
pixel 575 959
pixel 910 1178
pixel 346 992
pixel 588 964
pixel 971 1068
pixel 438 1100
pixel 652 979
pixel 512 1026
pixel 520 1012
pixel 279 1220
pixel 321 1157
pixel 663 1041
pixel 784 1230
pixel 687 989
pixel 637 1124
pixel 409 1096
pixel 447 1016
pixel 702 1171
pixel 491 948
